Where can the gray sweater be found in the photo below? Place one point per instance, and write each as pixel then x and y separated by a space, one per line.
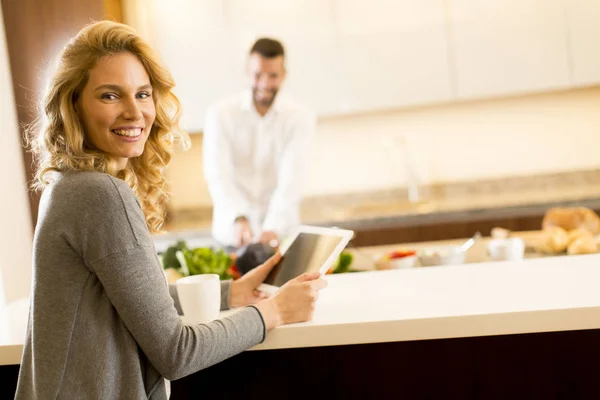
pixel 102 324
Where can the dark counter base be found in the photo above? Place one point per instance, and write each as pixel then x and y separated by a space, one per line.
pixel 450 226
pixel 441 231
pixel 8 381
pixel 558 365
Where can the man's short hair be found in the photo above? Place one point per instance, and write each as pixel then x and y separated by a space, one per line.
pixel 268 48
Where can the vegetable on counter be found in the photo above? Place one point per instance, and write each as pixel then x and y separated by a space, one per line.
pixel 179 261
pixel 204 260
pixel 169 258
pixel 342 264
pixel 400 254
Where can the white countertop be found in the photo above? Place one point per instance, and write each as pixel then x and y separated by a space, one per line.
pixel 13 326
pixel 538 295
pixel 495 298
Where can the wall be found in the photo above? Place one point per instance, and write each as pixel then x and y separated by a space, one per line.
pixel 456 142
pixel 35 32
pixel 15 225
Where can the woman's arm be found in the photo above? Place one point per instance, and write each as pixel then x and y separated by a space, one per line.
pixel 116 246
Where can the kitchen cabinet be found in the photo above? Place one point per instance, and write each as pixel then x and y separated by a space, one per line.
pixel 342 56
pixel 505 47
pixel 206 43
pixel 348 56
pixel 195 43
pixel 392 54
pixel 583 18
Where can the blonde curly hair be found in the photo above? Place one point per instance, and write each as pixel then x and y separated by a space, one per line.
pixel 57 138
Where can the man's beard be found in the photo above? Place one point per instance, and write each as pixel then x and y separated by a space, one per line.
pixel 264 102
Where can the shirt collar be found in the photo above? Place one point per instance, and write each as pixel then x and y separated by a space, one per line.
pixel 248 104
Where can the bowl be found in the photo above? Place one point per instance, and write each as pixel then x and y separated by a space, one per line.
pixel 450 255
pixel 397 263
pixel 509 249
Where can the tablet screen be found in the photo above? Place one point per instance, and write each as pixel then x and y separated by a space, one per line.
pixel 307 253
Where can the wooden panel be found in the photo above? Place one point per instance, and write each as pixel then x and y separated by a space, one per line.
pixel 35 33
pixel 113 10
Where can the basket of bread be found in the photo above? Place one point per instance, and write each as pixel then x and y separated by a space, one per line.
pixel 569 230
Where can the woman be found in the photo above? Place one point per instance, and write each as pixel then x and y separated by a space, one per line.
pixel 102 323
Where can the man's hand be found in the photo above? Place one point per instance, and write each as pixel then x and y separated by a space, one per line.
pixel 244 291
pixel 242 232
pixel 270 238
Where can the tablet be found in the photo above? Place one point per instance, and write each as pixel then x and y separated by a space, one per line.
pixel 309 249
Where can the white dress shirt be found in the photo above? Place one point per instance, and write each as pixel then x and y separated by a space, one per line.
pixel 255 165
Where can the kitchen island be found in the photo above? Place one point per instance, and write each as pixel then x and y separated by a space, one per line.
pixel 526 329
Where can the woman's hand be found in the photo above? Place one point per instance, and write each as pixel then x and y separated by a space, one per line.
pixel 294 302
pixel 244 291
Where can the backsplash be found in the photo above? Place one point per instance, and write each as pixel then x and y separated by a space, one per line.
pixel 499 138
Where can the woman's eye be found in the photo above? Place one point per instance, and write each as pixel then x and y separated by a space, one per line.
pixel 109 96
pixel 144 95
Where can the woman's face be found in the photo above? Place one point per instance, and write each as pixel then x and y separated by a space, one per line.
pixel 116 107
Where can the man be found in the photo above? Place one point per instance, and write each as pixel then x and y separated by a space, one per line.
pixel 256 148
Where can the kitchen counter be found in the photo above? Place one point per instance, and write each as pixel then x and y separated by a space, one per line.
pixel 13 327
pixel 364 258
pixel 526 329
pixel 540 295
pixel 470 201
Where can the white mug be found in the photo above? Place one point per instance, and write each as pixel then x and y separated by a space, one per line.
pixel 200 297
pixel 510 249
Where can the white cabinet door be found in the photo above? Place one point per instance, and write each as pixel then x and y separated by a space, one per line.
pixel 503 47
pixel 584 32
pixel 197 47
pixel 391 53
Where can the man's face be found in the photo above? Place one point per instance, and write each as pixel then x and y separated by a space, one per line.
pixel 266 76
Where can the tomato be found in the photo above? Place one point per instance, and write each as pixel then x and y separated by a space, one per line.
pixel 401 254
pixel 234 272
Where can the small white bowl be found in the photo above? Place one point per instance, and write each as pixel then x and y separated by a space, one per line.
pixel 510 249
pixel 451 255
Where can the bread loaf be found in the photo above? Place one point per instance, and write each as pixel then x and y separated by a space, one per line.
pixel 553 240
pixel 583 245
pixel 578 233
pixel 572 218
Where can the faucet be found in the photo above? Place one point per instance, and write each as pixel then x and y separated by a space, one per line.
pixel 412 178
